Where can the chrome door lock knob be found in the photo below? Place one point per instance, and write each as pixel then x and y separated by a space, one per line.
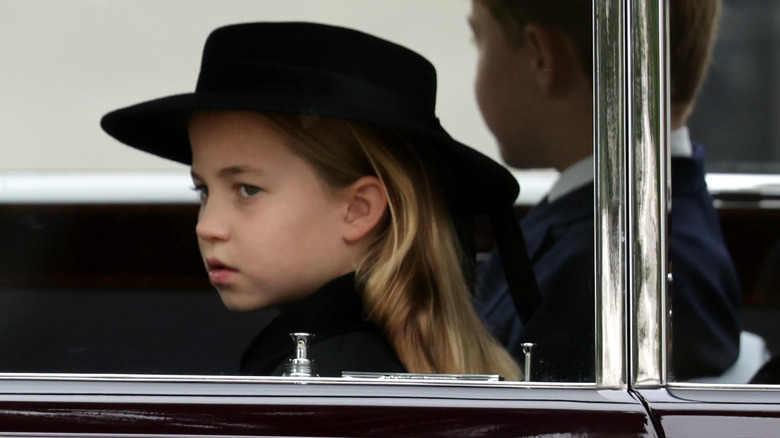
pixel 528 348
pixel 301 366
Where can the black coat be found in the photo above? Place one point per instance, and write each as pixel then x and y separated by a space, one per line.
pixel 343 339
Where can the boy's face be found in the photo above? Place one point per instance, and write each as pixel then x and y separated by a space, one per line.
pixel 502 89
pixel 268 228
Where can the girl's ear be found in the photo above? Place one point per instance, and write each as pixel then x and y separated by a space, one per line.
pixel 366 205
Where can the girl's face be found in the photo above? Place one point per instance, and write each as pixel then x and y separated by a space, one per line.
pixel 269 229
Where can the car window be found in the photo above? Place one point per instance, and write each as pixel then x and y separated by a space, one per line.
pixel 100 271
pixel 735 121
pixel 87 287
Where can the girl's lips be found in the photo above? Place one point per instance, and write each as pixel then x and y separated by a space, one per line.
pixel 220 273
pixel 221 276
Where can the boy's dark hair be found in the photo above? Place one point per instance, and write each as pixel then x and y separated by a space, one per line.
pixel 692 29
pixel 573 17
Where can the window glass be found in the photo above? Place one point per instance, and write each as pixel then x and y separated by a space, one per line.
pixel 99 269
pixel 737 113
pixel 735 121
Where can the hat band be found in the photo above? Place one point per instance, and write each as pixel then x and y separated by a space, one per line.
pixel 314 85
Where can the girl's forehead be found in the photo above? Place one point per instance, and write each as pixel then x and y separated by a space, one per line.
pixel 232 159
pixel 231 146
pixel 247 136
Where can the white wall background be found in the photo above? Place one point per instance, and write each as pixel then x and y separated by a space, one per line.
pixel 65 63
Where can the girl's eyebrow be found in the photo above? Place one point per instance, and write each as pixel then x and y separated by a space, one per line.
pixel 237 170
pixel 229 171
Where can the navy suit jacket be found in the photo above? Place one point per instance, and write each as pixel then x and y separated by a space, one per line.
pixel 559 237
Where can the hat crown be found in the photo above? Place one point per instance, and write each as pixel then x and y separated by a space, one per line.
pixel 330 59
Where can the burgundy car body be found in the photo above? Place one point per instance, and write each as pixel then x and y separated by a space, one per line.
pixel 322 409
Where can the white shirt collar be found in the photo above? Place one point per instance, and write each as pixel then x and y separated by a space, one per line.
pixel 581 172
pixel 680 143
pixel 576 175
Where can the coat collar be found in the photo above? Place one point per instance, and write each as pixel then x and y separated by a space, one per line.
pixel 571 207
pixel 333 309
pixel 687 177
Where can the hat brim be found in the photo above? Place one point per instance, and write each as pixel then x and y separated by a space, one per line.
pixel 159 127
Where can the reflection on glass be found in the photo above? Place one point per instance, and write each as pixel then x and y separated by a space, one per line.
pixel 735 119
pixel 552 128
pixel 739 106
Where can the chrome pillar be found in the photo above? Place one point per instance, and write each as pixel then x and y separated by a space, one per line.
pixel 630 126
pixel 610 138
pixel 648 188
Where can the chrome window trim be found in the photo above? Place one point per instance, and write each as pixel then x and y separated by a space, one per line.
pixel 648 189
pixel 630 129
pixel 15 386
pixel 682 387
pixel 609 191
pixel 713 393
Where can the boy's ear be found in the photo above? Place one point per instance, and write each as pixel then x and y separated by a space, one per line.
pixel 552 59
pixel 366 206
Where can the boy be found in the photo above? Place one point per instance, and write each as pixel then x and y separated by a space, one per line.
pixel 534 89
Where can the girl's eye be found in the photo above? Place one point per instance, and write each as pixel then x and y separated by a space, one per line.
pixel 203 191
pixel 247 191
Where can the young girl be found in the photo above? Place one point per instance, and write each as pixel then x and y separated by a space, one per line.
pixel 330 192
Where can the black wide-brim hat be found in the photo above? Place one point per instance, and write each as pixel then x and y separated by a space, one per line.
pixel 333 72
pixel 316 70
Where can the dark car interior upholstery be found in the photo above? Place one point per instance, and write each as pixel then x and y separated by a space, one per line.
pixel 112 289
pixel 122 289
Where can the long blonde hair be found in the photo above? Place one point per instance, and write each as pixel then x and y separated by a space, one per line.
pixel 412 276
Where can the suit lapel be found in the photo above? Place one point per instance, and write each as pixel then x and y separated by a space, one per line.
pixel 540 223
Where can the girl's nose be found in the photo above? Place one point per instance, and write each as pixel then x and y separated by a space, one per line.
pixel 212 225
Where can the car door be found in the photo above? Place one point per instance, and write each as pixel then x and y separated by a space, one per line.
pixel 630 383
pixel 743 181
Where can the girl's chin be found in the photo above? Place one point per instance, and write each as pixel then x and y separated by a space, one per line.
pixel 238 302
